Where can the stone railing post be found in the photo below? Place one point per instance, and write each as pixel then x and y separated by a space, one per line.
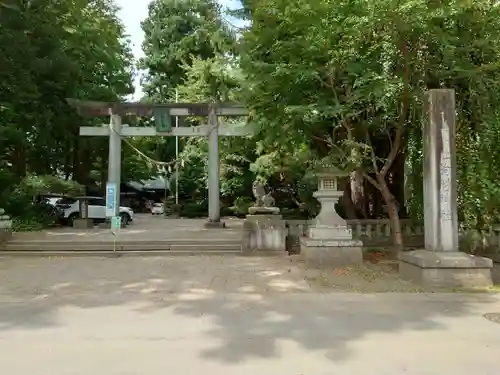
pixel 5 226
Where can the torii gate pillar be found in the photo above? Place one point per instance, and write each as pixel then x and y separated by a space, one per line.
pixel 115 157
pixel 213 171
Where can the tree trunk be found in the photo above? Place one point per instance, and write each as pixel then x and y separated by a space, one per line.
pixel 349 208
pixel 81 163
pixel 375 205
pixel 390 201
pixel 68 164
pixel 357 192
pixel 19 160
pixel 398 183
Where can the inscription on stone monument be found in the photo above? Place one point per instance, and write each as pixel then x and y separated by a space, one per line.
pixel 445 172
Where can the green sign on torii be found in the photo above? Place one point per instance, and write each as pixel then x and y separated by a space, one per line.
pixel 163 114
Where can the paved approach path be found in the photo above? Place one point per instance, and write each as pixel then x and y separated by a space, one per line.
pixel 228 316
pixel 145 227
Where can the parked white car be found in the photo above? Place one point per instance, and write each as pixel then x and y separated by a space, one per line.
pixel 157 209
pixel 70 210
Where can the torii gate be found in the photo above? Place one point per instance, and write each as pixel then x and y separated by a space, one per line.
pixel 163 114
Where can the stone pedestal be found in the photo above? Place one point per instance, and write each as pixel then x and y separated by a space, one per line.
pixel 446 269
pixel 264 232
pixel 331 253
pixel 329 242
pixel 440 264
pixel 83 223
pixel 5 226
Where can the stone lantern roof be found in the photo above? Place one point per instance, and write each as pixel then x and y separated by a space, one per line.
pixel 331 171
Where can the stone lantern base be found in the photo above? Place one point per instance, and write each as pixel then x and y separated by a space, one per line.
pixel 320 253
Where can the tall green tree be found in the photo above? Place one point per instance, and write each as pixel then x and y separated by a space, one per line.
pixel 176 32
pixel 50 51
pixel 208 80
pixel 348 77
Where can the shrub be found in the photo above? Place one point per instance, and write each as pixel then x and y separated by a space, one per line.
pixel 194 209
pixel 21 204
pixel 241 205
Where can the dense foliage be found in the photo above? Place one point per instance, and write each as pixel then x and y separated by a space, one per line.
pixel 50 51
pixel 347 78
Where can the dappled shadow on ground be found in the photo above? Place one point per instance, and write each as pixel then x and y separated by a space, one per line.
pixel 249 327
pixel 255 305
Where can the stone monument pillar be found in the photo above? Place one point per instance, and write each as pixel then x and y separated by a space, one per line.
pixel 441 264
pixel 264 227
pixel 329 241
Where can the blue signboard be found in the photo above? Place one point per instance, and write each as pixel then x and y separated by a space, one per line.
pixel 110 199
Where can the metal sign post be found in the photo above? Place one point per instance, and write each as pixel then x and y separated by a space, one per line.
pixel 111 211
pixel 116 224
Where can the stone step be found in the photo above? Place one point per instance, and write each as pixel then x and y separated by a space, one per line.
pixel 110 253
pixel 124 246
pixel 110 246
pixel 176 240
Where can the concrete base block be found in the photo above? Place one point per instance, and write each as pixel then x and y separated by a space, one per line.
pixel 83 224
pixel 446 269
pixel 107 225
pixel 331 253
pixel 264 233
pixel 214 224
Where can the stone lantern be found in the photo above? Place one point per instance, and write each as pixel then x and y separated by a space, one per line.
pixel 329 241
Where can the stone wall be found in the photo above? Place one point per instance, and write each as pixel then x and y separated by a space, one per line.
pixel 377 233
pixel 373 233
